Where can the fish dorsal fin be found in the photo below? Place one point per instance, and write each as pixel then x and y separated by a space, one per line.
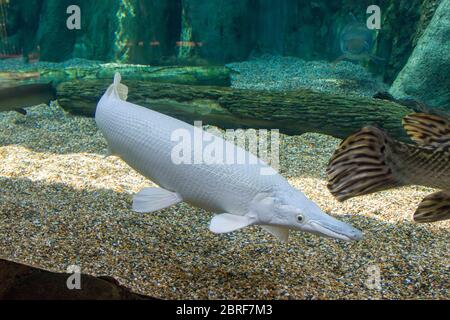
pixel 427 130
pixel 120 90
pixel 280 232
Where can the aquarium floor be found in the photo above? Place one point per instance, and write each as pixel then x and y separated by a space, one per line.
pixel 279 73
pixel 63 203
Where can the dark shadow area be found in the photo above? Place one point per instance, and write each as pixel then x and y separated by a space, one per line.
pixel 22 282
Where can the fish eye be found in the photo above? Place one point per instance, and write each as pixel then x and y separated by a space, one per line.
pixel 300 218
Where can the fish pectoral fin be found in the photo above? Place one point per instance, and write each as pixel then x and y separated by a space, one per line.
pixel 21 111
pixel 226 222
pixel 154 199
pixel 280 232
pixel 435 207
pixel 427 130
pixel 361 165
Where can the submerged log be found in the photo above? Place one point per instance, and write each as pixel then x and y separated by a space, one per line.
pixel 294 112
pixel 22 282
pixel 198 75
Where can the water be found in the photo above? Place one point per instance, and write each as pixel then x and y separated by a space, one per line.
pixel 294 78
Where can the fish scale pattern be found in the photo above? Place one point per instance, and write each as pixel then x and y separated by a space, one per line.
pixel 422 165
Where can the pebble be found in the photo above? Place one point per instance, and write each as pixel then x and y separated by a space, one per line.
pixel 278 73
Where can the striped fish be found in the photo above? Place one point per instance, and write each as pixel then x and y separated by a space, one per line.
pixel 370 161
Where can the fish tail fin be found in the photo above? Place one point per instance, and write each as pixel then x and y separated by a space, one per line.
pixel 435 207
pixel 361 165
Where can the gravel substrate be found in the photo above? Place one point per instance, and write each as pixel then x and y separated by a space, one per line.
pixel 289 73
pixel 19 64
pixel 62 203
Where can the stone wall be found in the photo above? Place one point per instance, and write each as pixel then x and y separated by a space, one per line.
pixel 425 75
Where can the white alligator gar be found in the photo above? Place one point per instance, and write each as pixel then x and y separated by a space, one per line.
pixel 240 194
